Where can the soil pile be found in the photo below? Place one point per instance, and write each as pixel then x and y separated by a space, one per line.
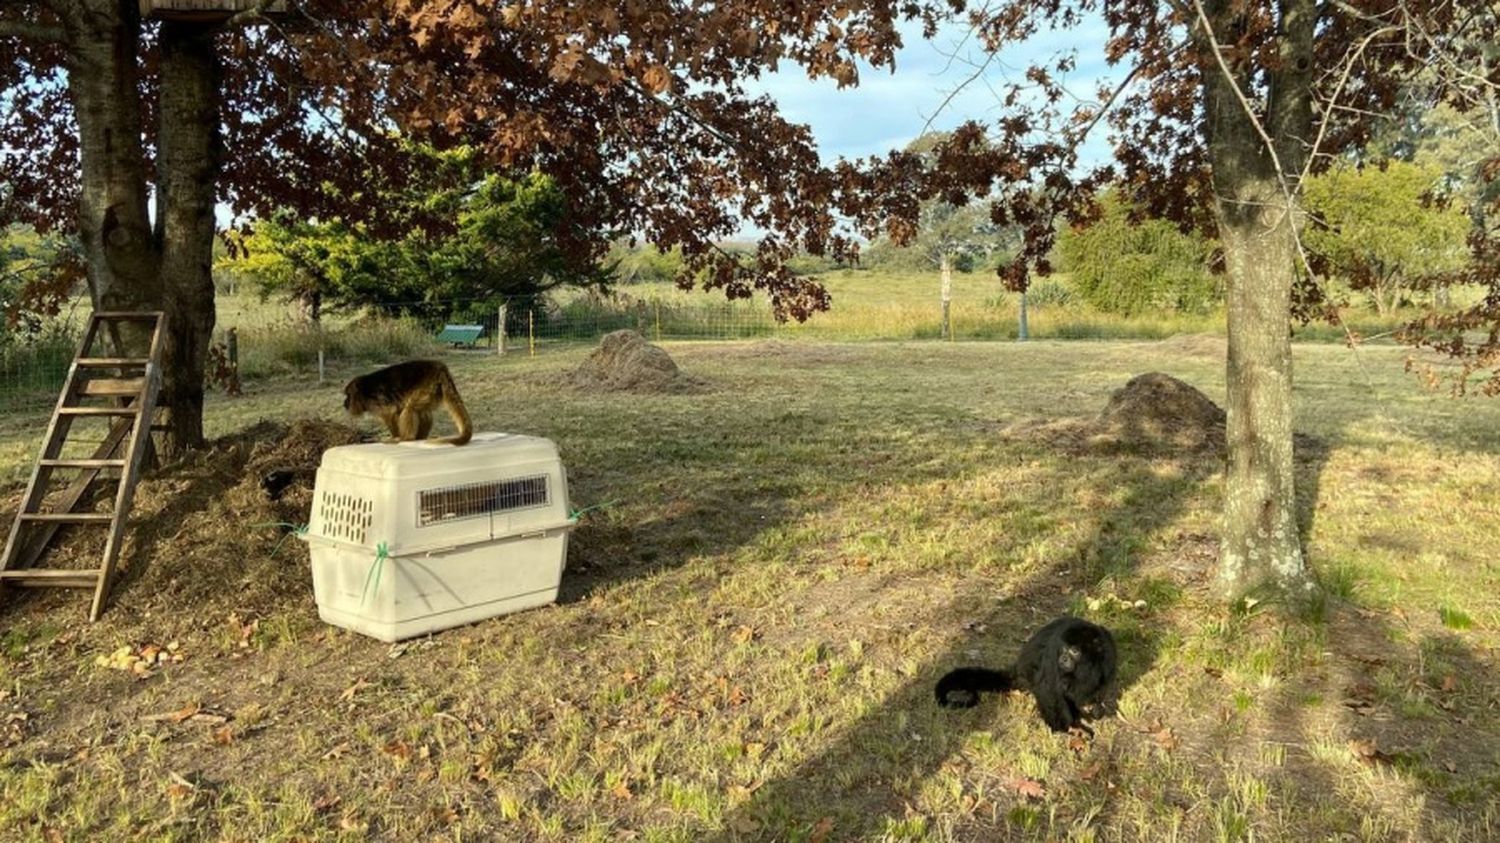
pixel 1158 411
pixel 625 362
pixel 1153 414
pixel 204 532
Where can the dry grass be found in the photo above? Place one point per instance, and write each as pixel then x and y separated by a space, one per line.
pixel 747 641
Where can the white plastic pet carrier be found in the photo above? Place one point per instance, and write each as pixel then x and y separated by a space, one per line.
pixel 414 537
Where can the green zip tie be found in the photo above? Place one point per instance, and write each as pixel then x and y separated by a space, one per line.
pixel 294 529
pixel 579 513
pixel 381 554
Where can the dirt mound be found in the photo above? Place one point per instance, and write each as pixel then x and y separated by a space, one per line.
pixel 1157 410
pixel 625 362
pixel 282 469
pixel 1153 413
pixel 205 533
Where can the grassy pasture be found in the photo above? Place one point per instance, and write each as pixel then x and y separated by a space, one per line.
pixel 747 640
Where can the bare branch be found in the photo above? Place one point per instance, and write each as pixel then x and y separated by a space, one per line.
pixel 1338 89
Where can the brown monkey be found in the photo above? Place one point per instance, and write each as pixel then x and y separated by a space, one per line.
pixel 405 395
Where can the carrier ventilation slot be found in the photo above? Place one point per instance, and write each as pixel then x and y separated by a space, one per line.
pixel 345 516
pixel 471 500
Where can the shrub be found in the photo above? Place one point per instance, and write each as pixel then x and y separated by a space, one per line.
pixel 1050 291
pixel 1125 267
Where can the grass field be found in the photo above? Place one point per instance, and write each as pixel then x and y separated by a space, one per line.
pixel 274 341
pixel 748 637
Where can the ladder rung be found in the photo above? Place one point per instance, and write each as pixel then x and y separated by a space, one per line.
pixel 68 517
pixel 128 315
pixel 112 386
pixel 56 577
pixel 82 463
pixel 99 411
pixel 111 362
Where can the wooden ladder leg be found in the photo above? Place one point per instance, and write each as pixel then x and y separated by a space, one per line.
pixel 140 436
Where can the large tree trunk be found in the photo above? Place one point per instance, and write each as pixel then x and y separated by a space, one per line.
pixel 1257 227
pixel 113 225
pixel 188 164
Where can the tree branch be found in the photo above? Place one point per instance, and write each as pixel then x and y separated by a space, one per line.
pixel 36 32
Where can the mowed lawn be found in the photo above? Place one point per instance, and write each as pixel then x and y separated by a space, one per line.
pixel 750 629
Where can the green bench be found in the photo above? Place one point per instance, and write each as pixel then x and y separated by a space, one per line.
pixel 460 334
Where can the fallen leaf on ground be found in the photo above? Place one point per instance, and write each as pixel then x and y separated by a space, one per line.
pixel 1027 788
pixel 223 736
pixel 349 692
pixel 174 716
pixel 821 829
pixel 325 802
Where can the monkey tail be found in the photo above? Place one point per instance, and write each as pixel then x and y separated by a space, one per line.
pixel 961 688
pixel 455 405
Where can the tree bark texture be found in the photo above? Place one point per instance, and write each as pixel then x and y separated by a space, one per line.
pixel 188 162
pixel 1257 227
pixel 113 224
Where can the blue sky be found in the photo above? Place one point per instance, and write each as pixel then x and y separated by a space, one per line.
pixel 889 109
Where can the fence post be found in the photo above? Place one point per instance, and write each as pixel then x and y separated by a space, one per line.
pixel 1023 335
pixel 947 271
pixel 500 333
pixel 321 371
pixel 657 304
pixel 232 347
pixel 531 330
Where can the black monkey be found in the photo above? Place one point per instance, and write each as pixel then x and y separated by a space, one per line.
pixel 1065 665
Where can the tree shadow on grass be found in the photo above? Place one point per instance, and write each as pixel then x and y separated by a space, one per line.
pixel 856 783
pixel 1395 734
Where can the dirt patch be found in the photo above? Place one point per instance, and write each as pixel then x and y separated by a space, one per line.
pixel 1153 413
pixel 625 362
pixel 1206 346
pixel 800 353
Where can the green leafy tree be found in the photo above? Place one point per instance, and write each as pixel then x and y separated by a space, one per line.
pixel 497 243
pixel 37 275
pixel 1131 267
pixel 1382 227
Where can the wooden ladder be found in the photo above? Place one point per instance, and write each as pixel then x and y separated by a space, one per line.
pixel 129 386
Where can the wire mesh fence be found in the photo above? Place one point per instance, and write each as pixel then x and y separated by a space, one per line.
pixel 263 339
